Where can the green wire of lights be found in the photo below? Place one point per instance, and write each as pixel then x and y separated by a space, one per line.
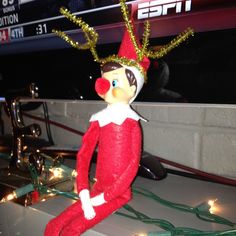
pixel 201 213
pixel 170 230
pixel 4 156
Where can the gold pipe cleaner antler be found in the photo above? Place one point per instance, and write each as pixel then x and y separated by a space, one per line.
pixel 90 34
pixel 142 51
pixel 173 43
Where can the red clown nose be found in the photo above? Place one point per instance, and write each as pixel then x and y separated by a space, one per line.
pixel 102 86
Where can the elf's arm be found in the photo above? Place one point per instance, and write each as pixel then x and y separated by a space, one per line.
pixel 84 157
pixel 127 177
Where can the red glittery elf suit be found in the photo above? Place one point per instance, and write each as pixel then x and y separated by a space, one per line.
pixel 119 146
pixel 116 131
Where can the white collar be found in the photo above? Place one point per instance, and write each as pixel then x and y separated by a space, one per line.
pixel 115 113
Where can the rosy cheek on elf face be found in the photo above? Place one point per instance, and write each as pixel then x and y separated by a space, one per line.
pixel 117 92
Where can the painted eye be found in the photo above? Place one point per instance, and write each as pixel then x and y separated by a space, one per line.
pixel 115 83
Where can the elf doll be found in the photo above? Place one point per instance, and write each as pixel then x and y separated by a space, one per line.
pixel 115 131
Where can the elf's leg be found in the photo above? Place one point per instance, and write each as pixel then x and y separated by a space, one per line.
pixel 54 227
pixel 79 224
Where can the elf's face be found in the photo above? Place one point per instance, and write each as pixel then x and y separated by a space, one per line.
pixel 114 87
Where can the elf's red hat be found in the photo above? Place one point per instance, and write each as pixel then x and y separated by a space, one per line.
pixel 127 50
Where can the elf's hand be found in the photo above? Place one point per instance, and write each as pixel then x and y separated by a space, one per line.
pixel 98 200
pixel 87 207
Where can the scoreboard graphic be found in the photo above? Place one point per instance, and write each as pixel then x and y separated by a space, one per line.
pixel 22 20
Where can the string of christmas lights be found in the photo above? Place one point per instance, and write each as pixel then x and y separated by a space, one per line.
pixel 202 211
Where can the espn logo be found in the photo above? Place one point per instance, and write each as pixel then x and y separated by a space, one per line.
pixel 162 7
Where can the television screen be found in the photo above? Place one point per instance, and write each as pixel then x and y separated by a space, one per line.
pixel 26 25
pixel 30 52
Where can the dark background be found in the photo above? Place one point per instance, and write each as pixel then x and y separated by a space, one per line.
pixel 201 70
